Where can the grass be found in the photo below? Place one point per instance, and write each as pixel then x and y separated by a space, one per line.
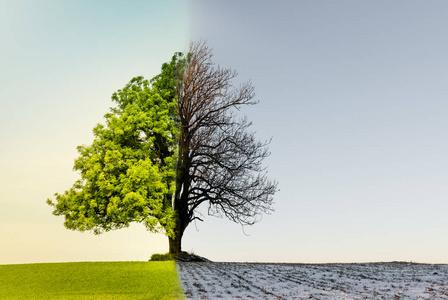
pixel 90 280
pixel 161 257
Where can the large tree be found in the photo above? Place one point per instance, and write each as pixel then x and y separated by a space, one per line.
pixel 170 145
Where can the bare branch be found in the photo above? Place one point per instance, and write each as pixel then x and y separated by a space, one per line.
pixel 222 160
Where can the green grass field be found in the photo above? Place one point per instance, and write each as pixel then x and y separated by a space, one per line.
pixel 90 280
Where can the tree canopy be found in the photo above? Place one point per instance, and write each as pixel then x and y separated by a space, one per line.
pixel 169 145
pixel 128 172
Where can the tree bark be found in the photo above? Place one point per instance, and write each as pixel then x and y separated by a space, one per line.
pixel 175 244
pixel 180 204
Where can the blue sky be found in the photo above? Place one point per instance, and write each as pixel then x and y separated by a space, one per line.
pixel 353 94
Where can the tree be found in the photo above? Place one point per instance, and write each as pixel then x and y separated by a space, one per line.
pixel 171 145
pixel 128 173
pixel 220 160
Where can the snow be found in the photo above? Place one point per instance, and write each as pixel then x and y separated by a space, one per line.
pixel 210 280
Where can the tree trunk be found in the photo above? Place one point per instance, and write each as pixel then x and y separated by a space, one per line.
pixel 180 204
pixel 175 244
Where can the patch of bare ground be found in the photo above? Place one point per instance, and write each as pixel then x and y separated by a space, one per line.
pixel 396 280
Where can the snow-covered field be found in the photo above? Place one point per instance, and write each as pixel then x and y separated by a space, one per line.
pixel 210 280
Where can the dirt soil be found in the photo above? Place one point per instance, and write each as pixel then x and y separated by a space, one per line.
pixel 211 280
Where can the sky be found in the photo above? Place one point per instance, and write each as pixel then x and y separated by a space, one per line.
pixel 60 62
pixel 352 93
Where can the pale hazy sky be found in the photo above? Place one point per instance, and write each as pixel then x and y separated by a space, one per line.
pixel 354 94
pixel 60 61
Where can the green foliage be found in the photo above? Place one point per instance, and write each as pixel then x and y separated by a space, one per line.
pixel 128 172
pixel 96 280
pixel 161 257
